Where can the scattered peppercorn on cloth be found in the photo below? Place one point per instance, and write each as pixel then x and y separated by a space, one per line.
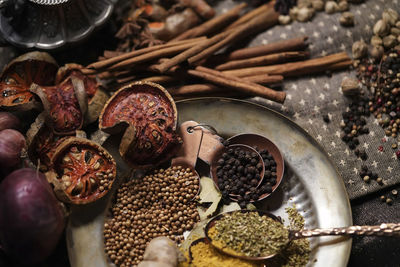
pixel 316 102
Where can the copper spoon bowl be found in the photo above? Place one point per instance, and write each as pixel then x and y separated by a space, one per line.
pixel 218 154
pixel 384 229
pixel 261 142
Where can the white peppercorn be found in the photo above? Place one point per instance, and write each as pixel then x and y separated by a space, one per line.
pixel 284 19
pixel 305 14
pixel 331 7
pixel 343 6
pixel 376 40
pixel 293 12
pixel 303 3
pixel 377 52
pixel 395 31
pixel 350 86
pixel 390 16
pixel 389 41
pixel 347 19
pixel 318 5
pixel 359 49
pixel 381 28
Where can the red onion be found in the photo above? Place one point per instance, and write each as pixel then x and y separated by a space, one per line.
pixel 31 218
pixel 8 121
pixel 11 144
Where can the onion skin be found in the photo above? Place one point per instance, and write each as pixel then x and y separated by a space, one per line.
pixel 12 143
pixel 9 121
pixel 31 219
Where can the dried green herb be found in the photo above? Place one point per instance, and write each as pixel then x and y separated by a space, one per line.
pixel 249 234
pixel 298 252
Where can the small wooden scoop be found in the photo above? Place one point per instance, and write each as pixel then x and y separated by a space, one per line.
pixel 192 138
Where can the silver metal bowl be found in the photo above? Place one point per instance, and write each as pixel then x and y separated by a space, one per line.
pixel 50 24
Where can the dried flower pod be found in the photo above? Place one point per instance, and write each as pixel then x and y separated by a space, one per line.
pixel 359 49
pixel 376 40
pixel 350 86
pixel 17 76
pixel 82 171
pixel 42 142
pixel 96 95
pixel 148 115
pixel 65 104
pixel 331 7
pixel 381 28
pixel 347 19
pixel 305 14
pixel 318 5
pixel 389 41
pixel 390 16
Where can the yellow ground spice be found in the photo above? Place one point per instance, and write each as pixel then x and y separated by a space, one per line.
pixel 204 255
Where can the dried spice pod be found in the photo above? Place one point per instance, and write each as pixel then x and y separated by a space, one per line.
pixel 96 95
pixel 42 142
pixel 148 115
pixel 19 74
pixel 82 171
pixel 65 104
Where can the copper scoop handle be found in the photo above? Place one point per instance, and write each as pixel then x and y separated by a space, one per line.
pixel 385 229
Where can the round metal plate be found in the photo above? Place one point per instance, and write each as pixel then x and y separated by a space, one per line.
pixel 310 181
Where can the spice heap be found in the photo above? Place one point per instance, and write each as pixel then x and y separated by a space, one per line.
pixel 257 67
pixel 239 171
pixel 249 234
pixel 204 255
pixel 377 69
pixel 304 10
pixel 297 253
pixel 160 204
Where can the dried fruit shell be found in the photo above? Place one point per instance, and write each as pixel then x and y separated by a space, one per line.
pixel 147 114
pixel 96 95
pixel 90 168
pixel 17 76
pixel 42 142
pixel 65 105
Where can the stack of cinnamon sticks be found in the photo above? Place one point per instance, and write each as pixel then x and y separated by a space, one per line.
pixel 192 57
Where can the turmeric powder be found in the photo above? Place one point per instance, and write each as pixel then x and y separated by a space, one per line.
pixel 204 255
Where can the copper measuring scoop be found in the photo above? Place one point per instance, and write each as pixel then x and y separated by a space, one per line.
pixel 261 142
pixel 192 136
pixel 218 154
pixel 384 229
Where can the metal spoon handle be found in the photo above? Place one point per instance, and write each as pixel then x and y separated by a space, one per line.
pixel 385 229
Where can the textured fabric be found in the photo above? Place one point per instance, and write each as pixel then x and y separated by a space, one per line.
pixel 311 97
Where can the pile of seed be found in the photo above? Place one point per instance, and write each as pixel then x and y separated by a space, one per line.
pixel 304 10
pixel 160 204
pixel 368 175
pixel 354 124
pixel 238 173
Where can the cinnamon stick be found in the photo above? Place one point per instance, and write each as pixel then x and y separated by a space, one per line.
pixel 169 63
pixel 294 68
pixel 263 60
pixel 212 25
pixel 160 79
pixel 248 16
pixel 241 85
pixel 259 23
pixel 265 79
pixel 293 44
pixel 105 63
pixel 160 53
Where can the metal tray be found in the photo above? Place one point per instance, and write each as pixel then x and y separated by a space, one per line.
pixel 311 182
